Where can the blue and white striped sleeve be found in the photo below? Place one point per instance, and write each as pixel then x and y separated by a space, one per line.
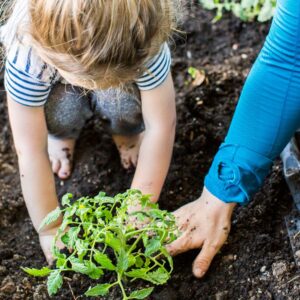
pixel 157 71
pixel 27 79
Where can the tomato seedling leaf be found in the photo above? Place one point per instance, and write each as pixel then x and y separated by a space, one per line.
pixel 51 217
pixel 99 290
pixel 37 272
pixel 141 294
pixel 54 282
pixel 104 261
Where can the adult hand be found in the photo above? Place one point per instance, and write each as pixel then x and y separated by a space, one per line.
pixel 204 223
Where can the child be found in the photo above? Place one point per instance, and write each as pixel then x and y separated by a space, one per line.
pixel 70 59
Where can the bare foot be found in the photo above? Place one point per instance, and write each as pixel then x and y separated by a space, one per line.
pixel 61 155
pixel 129 147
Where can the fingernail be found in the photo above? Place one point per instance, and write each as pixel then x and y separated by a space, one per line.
pixel 199 272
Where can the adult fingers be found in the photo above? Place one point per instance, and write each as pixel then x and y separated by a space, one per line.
pixel 204 259
pixel 182 244
pixel 181 216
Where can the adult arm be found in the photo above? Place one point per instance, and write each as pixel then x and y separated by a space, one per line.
pixel 267 115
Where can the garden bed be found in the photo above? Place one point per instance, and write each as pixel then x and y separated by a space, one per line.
pixel 256 263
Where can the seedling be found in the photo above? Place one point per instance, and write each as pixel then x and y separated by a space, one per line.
pixel 198 76
pixel 103 237
pixel 246 10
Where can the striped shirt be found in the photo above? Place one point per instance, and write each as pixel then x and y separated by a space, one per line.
pixel 28 79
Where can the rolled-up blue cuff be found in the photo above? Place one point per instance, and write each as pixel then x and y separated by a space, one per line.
pixel 236 173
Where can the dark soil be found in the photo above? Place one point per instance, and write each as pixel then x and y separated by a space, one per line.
pixel 257 261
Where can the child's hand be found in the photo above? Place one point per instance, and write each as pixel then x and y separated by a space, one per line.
pixel 46 239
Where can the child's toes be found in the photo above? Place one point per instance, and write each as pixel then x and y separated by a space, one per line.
pixel 55 165
pixel 65 169
pixel 134 160
pixel 125 162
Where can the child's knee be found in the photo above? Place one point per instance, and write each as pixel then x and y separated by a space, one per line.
pixel 121 108
pixel 67 110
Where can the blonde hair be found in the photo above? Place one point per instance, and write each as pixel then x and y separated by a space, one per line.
pixel 95 43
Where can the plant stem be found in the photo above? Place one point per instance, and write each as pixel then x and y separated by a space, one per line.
pixel 134 244
pixel 121 286
pixel 129 234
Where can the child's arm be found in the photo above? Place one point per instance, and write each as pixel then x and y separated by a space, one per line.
pixel 159 113
pixel 30 137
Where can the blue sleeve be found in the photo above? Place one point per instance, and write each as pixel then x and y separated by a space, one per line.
pixel 267 115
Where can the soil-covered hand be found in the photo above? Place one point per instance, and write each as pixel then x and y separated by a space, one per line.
pixel 204 223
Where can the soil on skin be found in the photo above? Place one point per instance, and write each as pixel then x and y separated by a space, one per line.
pixel 256 263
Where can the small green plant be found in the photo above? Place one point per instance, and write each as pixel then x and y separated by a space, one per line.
pixel 102 237
pixel 246 10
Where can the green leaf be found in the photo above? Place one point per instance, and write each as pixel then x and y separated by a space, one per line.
pixel 104 261
pixel 56 251
pixel 86 267
pixel 73 235
pixel 156 213
pixel 83 211
pixel 79 267
pixel 131 260
pixel 208 4
pixel 266 12
pixel 141 294
pixel 60 262
pixel 69 212
pixel 98 290
pixel 51 217
pixel 65 238
pixel 37 272
pixel 94 272
pixel 152 246
pixel 82 247
pixel 145 238
pixel 107 214
pixel 168 256
pixel 159 276
pixel 247 3
pixel 138 273
pixel 113 242
pixel 122 261
pixel 66 199
pixel 192 72
pixel 64 224
pixel 54 282
pixel 139 262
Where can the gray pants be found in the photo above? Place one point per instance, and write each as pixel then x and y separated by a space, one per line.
pixel 68 108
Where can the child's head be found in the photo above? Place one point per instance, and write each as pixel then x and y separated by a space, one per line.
pixel 99 43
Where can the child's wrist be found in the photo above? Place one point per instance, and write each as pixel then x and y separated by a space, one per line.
pixel 50 229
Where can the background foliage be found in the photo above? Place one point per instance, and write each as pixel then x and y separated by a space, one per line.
pixel 246 10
